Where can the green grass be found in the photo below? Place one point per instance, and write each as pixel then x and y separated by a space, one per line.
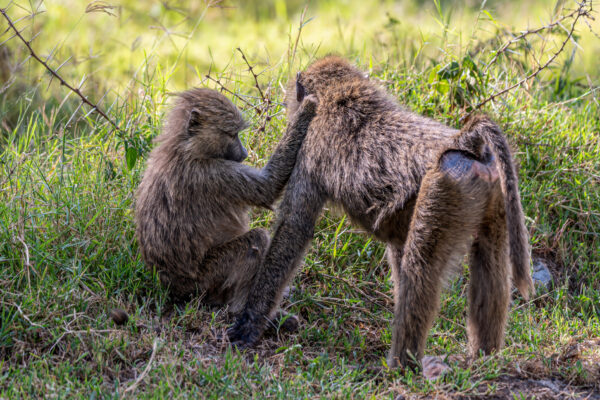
pixel 68 254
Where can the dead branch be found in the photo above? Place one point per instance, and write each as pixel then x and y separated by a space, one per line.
pixel 529 32
pixel 54 73
pixel 146 370
pixel 582 10
pixel 300 26
pixel 251 69
pixel 224 88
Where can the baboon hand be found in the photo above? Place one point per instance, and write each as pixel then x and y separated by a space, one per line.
pixel 308 107
pixel 246 330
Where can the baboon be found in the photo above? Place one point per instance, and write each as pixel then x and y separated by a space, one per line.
pixel 428 191
pixel 192 204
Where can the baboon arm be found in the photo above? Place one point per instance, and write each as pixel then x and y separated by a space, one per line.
pixel 299 210
pixel 279 168
pixel 241 184
pixel 261 187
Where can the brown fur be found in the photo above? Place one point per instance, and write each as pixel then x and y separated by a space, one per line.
pixel 192 204
pixel 420 186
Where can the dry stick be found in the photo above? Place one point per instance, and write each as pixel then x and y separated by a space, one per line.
pixel 25 317
pixel 146 370
pixel 291 61
pixel 54 73
pixel 223 87
pixel 27 263
pixel 540 69
pixel 266 99
pixel 527 33
pixel 79 332
pixel 251 69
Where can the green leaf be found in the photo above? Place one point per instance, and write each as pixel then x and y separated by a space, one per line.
pixel 450 71
pixel 470 64
pixel 131 156
pixel 433 74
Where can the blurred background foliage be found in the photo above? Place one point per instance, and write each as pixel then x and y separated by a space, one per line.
pixel 109 42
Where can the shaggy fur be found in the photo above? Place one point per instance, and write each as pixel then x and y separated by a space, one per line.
pixel 423 188
pixel 192 204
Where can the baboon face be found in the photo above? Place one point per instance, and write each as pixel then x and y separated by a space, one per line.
pixel 208 129
pixel 212 137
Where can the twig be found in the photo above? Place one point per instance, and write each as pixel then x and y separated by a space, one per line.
pixel 54 73
pixel 27 263
pixel 26 250
pixel 302 23
pixel 146 370
pixel 251 69
pixel 70 332
pixel 265 111
pixel 528 32
pixel 25 317
pixel 353 286
pixel 579 12
pixel 223 87
pixel 266 102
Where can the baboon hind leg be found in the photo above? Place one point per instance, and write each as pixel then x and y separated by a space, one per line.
pixel 489 287
pixel 299 209
pixel 227 271
pixel 448 210
pixel 235 265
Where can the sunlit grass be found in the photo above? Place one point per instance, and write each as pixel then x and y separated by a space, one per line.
pixel 68 254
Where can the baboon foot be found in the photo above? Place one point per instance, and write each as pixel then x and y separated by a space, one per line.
pixel 402 360
pixel 247 329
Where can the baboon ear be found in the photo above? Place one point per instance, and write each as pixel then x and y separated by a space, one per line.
pixel 300 92
pixel 194 121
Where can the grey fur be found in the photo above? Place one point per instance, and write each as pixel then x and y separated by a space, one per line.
pixel 192 204
pixel 423 188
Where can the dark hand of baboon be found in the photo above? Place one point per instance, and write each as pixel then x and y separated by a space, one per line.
pixel 423 188
pixel 192 204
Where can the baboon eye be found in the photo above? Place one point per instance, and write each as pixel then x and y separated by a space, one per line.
pixel 228 133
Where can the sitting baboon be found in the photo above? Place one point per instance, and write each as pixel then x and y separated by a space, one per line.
pixel 423 188
pixel 192 204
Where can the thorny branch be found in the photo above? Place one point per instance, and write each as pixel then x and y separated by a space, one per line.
pixel 53 72
pixel 251 69
pixel 581 11
pixel 529 32
pixel 265 104
pixel 224 88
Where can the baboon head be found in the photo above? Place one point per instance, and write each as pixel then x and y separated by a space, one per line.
pixel 316 78
pixel 206 124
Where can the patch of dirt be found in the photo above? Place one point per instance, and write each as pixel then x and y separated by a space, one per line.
pixel 514 387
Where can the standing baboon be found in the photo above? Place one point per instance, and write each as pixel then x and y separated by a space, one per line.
pixel 192 204
pixel 423 188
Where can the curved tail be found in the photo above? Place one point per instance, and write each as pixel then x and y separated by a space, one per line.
pixel 477 132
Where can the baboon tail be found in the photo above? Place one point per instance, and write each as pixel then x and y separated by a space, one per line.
pixel 478 131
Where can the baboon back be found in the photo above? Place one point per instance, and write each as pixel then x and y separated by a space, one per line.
pixel 375 152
